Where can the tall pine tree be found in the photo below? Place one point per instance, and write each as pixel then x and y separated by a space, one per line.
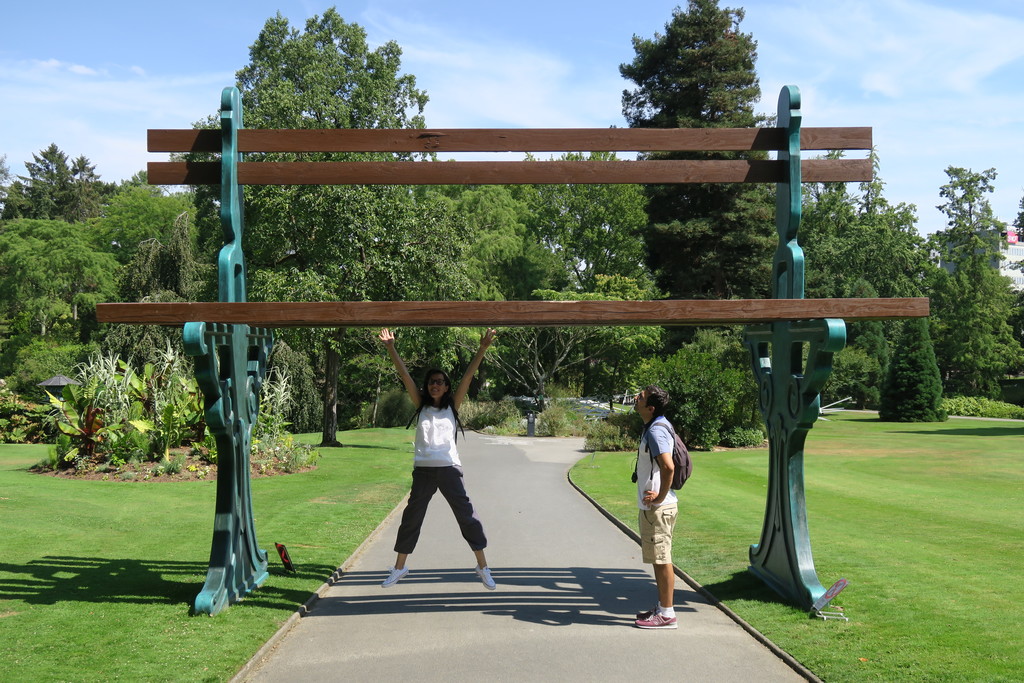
pixel 55 189
pixel 704 240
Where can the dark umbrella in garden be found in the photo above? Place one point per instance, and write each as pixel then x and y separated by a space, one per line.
pixel 55 385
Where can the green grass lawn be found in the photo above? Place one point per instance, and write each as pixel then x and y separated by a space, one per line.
pixel 926 522
pixel 96 578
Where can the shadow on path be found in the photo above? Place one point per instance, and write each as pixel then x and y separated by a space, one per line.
pixel 539 595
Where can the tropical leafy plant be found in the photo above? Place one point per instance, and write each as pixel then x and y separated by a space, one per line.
pixel 84 421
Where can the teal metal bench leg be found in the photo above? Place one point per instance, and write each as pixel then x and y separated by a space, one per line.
pixel 791 361
pixel 231 362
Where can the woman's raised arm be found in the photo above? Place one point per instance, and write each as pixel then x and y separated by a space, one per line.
pixel 460 393
pixel 410 386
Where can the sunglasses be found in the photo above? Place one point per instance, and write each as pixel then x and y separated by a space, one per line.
pixel 437 382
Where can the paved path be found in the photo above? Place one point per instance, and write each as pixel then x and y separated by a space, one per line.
pixel 569 583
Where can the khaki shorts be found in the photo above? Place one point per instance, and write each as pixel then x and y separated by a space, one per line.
pixel 656 528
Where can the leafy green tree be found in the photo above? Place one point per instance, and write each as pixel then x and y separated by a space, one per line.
pixel 973 303
pixel 859 369
pixel 51 277
pixel 350 242
pixel 161 269
pixel 534 357
pixel 709 395
pixel 591 230
pixel 913 387
pixel 28 359
pixel 1017 314
pixel 505 260
pixel 704 240
pixel 850 238
pixel 305 413
pixel 853 370
pixel 88 193
pixel 137 213
pixel 612 357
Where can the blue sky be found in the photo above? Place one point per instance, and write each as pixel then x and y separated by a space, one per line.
pixel 940 84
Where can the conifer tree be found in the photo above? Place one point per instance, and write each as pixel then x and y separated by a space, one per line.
pixel 913 387
pixel 972 303
pixel 704 240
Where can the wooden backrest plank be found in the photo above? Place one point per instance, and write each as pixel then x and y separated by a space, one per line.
pixel 511 313
pixel 510 140
pixel 506 172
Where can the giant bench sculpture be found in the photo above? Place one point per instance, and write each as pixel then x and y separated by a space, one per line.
pixel 791 339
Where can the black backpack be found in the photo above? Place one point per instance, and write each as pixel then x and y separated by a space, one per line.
pixel 680 456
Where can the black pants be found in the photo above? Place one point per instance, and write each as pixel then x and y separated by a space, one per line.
pixel 425 483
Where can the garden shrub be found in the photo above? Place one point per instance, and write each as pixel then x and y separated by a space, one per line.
pixel 393 409
pixel 630 423
pixel 206 450
pixel 129 446
pixel 603 435
pixel 977 406
pixel 22 421
pixel 480 414
pixel 742 437
pixel 559 419
pixel 55 454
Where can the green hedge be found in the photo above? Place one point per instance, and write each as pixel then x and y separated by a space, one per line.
pixel 974 406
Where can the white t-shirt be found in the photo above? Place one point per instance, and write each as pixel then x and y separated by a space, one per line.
pixel 648 474
pixel 435 438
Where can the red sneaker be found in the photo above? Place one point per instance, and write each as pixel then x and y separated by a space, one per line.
pixel 657 621
pixel 646 614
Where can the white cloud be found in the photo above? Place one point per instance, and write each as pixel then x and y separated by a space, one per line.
pixel 939 86
pixel 484 82
pixel 100 113
pixel 82 70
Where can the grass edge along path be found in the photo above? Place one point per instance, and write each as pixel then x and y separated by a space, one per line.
pixel 924 520
pixel 97 577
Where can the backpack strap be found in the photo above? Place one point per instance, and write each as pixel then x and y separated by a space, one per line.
pixel 412 418
pixel 647 434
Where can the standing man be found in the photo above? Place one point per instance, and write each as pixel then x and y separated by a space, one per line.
pixel 657 502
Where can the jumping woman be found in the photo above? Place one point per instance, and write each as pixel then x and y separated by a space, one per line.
pixel 436 464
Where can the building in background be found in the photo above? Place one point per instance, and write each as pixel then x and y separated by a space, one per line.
pixel 1013 259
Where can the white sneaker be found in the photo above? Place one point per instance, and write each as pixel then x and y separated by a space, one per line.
pixel 485 577
pixel 394 576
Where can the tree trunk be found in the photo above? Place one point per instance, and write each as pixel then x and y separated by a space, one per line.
pixel 376 402
pixel 330 432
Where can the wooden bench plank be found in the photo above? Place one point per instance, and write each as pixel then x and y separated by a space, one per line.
pixel 506 172
pixel 511 313
pixel 510 140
